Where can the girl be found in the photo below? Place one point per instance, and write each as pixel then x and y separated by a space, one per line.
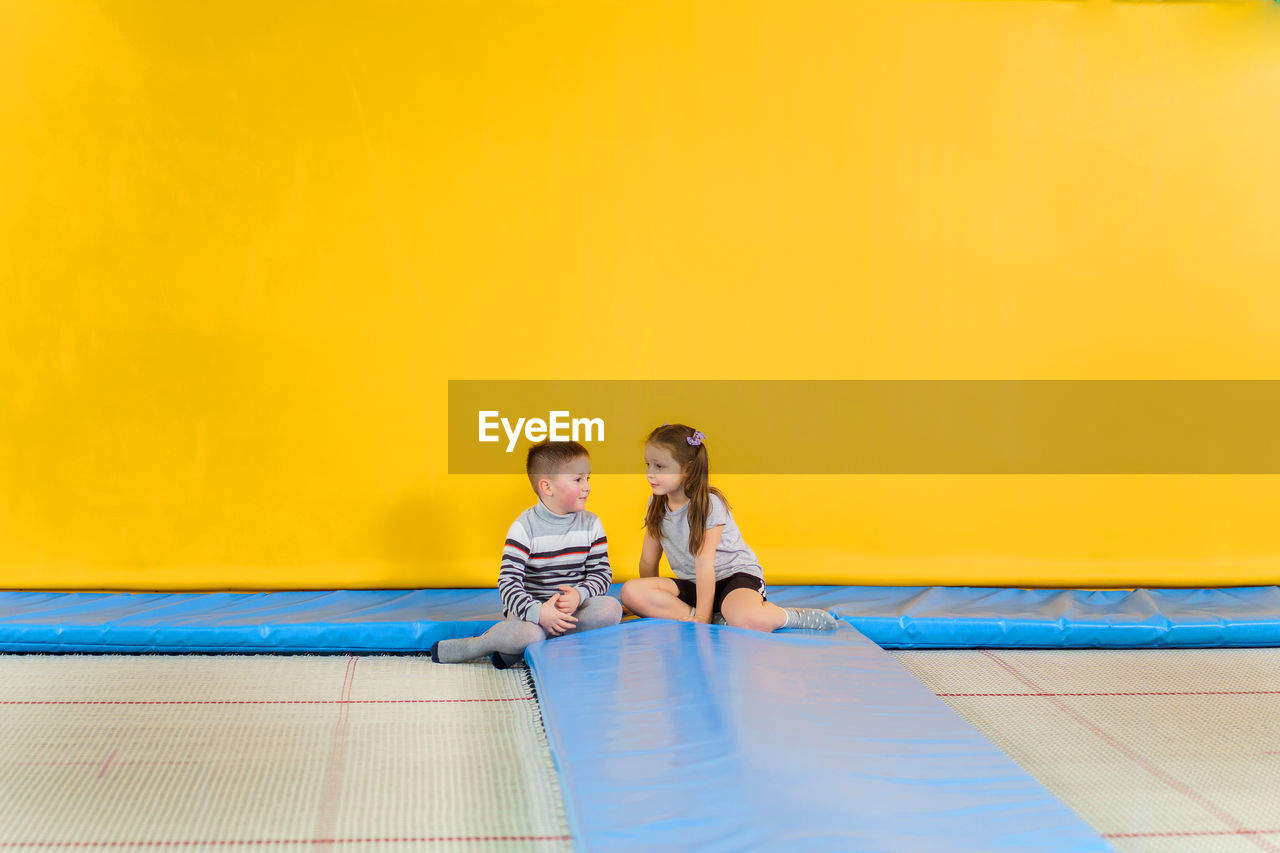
pixel 689 519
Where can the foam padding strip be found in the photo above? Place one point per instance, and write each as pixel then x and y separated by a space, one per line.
pixel 408 621
pixel 681 736
pixel 977 617
pixel 328 622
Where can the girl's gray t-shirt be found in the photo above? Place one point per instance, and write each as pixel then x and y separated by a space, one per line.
pixel 732 554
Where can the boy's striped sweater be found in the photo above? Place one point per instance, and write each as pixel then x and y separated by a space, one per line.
pixel 543 551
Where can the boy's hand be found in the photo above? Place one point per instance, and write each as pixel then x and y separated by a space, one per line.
pixel 552 620
pixel 568 600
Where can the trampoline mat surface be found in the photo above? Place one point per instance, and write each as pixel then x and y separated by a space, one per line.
pixel 1159 750
pixel 290 753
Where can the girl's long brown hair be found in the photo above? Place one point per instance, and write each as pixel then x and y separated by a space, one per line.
pixel 697 486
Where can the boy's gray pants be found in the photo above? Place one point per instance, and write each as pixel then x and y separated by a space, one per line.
pixel 510 636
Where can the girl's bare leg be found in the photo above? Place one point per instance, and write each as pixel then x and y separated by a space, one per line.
pixel 655 598
pixel 745 608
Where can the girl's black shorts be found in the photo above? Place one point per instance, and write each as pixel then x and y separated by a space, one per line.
pixel 688 590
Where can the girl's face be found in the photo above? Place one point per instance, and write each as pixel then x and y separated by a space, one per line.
pixel 661 470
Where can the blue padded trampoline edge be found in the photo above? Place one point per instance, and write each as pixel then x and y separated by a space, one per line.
pixel 572 819
pixel 400 621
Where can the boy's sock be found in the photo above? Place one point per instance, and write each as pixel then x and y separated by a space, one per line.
pixel 456 651
pixel 501 661
pixel 435 649
pixel 719 619
pixel 809 617
pixel 509 636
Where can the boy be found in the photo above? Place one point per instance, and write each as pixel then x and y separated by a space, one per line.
pixel 555 571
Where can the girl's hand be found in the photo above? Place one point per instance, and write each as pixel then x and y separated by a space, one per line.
pixel 568 600
pixel 695 617
pixel 551 620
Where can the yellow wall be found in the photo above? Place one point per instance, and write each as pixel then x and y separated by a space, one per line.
pixel 243 248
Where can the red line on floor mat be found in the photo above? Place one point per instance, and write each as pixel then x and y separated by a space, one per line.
pixel 1135 693
pixel 94 763
pixel 106 765
pixel 329 803
pixel 260 701
pixel 1191 833
pixel 225 842
pixel 1138 758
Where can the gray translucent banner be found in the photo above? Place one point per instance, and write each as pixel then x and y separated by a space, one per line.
pixel 882 427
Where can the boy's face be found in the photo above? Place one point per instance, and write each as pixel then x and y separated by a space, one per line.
pixel 566 490
pixel 661 470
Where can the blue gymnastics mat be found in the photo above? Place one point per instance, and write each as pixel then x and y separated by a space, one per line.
pixel 674 736
pixel 409 621
pixel 978 617
pixel 323 622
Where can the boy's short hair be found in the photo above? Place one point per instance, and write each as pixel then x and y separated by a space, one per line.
pixel 548 457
